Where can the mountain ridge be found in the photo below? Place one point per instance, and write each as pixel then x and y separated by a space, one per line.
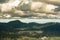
pixel 19 24
pixel 51 28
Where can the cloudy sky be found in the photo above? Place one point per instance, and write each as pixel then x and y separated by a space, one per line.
pixel 32 20
pixel 34 9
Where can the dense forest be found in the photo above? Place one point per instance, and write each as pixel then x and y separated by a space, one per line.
pixel 17 26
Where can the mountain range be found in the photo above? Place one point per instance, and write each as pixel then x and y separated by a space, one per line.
pixel 16 25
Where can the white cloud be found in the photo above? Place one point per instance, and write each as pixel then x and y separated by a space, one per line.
pixel 37 9
pixel 50 7
pixel 19 12
pixel 36 5
pixel 26 1
pixel 6 15
pixel 54 0
pixel 15 3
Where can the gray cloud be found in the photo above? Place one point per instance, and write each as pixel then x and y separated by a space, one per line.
pixel 54 2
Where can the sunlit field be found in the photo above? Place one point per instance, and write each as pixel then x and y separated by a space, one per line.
pixel 29 38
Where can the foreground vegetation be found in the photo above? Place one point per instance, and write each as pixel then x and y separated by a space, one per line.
pixel 29 38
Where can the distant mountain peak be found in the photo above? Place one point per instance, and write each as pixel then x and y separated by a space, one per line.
pixel 15 21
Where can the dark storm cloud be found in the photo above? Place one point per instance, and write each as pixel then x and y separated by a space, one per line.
pixel 57 9
pixel 3 1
